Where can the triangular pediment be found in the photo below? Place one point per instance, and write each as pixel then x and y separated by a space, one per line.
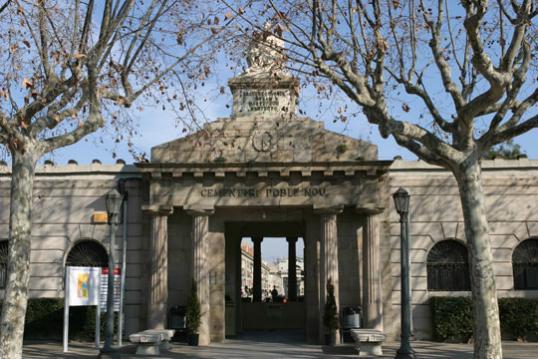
pixel 263 127
pixel 264 139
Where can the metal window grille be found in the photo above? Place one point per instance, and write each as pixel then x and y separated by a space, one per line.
pixel 448 267
pixel 87 254
pixel 525 265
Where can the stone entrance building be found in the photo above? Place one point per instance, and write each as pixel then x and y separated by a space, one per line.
pixel 266 172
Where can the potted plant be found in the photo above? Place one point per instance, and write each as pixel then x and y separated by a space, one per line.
pixel 193 316
pixel 330 316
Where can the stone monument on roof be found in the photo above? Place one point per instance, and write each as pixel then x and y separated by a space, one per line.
pixel 265 87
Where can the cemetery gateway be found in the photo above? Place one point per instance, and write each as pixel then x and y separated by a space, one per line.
pixel 267 172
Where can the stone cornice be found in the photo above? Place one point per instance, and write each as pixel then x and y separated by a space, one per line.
pixel 195 210
pixel 328 209
pixel 487 165
pixel 157 210
pixel 91 169
pixel 369 209
pixel 263 82
pixel 262 169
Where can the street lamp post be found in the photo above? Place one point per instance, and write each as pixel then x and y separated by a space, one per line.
pixel 401 201
pixel 113 204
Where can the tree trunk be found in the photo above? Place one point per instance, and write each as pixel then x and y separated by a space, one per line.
pixel 487 334
pixel 20 223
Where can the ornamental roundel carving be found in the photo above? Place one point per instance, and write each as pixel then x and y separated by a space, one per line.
pixel 263 141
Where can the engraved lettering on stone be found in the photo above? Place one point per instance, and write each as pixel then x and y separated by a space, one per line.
pixel 271 192
pixel 254 100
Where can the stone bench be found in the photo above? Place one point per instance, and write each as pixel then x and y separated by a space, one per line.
pixel 150 342
pixel 368 341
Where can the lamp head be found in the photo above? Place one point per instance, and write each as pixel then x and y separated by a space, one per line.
pixel 113 204
pixel 401 201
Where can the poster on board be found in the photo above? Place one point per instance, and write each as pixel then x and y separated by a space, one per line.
pixel 82 286
pixel 84 283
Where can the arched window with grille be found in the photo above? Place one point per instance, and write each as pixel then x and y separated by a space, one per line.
pixel 3 264
pixel 525 264
pixel 87 253
pixel 448 267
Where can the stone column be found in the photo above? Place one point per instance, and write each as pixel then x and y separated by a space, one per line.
pixel 158 276
pixel 329 258
pixel 292 269
pixel 257 275
pixel 200 268
pixel 371 289
pixel 311 260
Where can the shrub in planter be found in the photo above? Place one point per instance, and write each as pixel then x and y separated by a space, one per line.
pixel 194 314
pixel 519 317
pixel 452 318
pixel 330 316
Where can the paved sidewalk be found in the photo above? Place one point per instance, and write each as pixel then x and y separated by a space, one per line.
pixel 245 348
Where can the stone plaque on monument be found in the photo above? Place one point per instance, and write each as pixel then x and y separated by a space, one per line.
pixel 263 96
pixel 263 100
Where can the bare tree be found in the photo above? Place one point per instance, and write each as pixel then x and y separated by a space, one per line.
pixel 69 68
pixel 447 80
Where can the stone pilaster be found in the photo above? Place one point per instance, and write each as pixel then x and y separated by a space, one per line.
pixel 257 275
pixel 371 289
pixel 329 257
pixel 311 260
pixel 158 277
pixel 200 268
pixel 292 269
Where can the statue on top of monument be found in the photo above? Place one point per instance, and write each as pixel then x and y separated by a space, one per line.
pixel 265 53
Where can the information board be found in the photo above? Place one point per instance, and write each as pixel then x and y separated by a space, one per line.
pixel 104 289
pixel 83 285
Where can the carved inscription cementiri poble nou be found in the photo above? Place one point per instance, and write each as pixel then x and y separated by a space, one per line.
pixel 270 192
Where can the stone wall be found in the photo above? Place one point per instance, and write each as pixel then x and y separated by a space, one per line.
pixel 511 188
pixel 64 199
